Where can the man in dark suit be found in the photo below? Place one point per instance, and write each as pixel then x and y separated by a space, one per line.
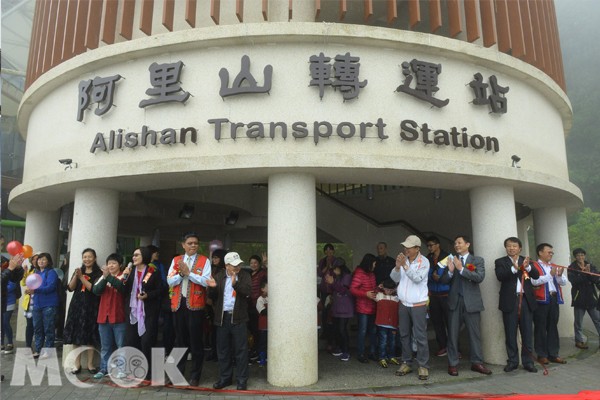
pixel 230 302
pixel 584 278
pixel 465 273
pixel 517 303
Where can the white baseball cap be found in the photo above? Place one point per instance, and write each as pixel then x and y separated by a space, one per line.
pixel 411 241
pixel 233 258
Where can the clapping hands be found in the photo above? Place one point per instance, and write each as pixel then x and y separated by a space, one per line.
pixel 183 268
pixel 400 260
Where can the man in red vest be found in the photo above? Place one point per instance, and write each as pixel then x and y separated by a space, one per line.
pixel 189 276
pixel 548 293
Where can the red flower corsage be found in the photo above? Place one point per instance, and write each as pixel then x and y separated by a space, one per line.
pixel 470 267
pixel 87 278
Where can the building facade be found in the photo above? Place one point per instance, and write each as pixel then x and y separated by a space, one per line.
pixel 348 121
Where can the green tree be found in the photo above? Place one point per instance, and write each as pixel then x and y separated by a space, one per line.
pixel 585 232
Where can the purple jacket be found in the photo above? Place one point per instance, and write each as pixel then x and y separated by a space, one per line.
pixel 343 301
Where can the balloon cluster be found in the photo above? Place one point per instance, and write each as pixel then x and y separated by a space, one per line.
pixel 15 247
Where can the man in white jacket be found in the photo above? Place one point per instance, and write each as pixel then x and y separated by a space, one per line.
pixel 411 273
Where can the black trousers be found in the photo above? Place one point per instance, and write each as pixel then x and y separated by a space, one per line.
pixel 253 325
pixel 438 313
pixel 168 330
pixel 232 341
pixel 545 319
pixel 188 334
pixel 144 343
pixel 524 324
pixel 341 333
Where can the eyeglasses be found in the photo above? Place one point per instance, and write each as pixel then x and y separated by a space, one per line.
pixel 192 244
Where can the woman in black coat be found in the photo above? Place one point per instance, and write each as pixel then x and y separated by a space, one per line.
pixel 81 327
pixel 144 291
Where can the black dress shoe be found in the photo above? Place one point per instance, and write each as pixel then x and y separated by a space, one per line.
pixel 530 368
pixel 221 384
pixel 195 382
pixel 242 386
pixel 510 367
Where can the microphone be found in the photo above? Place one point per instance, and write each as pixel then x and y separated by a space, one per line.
pixel 125 275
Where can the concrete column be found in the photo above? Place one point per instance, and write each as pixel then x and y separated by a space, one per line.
pixel 493 218
pixel 95 219
pixel 550 226
pixel 41 233
pixel 523 229
pixel 293 346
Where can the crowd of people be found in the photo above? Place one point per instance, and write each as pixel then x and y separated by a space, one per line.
pixel 114 306
pixel 393 300
pixel 214 303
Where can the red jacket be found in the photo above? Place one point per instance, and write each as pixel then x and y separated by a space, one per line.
pixel 387 310
pixel 112 300
pixel 257 277
pixel 363 282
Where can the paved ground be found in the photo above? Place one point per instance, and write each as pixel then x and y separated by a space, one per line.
pixel 346 380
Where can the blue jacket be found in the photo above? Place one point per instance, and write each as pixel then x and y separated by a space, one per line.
pixel 47 294
pixel 437 288
pixel 11 292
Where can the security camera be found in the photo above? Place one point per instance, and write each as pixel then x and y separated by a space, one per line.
pixel 68 163
pixel 515 161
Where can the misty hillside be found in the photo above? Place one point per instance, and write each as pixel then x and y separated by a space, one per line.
pixel 580 42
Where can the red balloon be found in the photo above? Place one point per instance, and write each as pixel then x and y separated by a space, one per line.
pixel 27 251
pixel 14 247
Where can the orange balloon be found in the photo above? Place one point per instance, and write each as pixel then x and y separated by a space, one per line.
pixel 27 251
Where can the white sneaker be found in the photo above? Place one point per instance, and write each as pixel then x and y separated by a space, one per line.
pixel 99 375
pixel 43 356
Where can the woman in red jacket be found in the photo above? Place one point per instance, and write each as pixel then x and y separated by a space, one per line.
pixel 111 313
pixel 364 290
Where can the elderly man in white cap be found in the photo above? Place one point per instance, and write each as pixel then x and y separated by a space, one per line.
pixel 411 271
pixel 230 302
